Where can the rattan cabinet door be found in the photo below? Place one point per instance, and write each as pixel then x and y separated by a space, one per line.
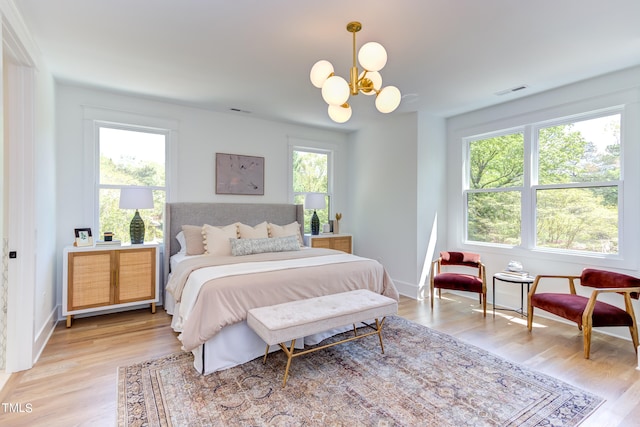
pixel 342 243
pixel 89 279
pixel 135 279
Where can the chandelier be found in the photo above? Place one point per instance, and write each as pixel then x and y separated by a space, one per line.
pixel 336 90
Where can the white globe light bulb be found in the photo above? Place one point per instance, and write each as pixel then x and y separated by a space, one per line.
pixel 335 91
pixel 388 99
pixel 375 78
pixel 372 56
pixel 339 113
pixel 320 71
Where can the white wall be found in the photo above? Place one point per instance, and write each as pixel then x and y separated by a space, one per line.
pixel 610 90
pixel 45 209
pixel 382 178
pixel 431 221
pixel 200 134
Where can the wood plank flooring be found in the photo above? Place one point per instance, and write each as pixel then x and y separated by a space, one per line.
pixel 74 382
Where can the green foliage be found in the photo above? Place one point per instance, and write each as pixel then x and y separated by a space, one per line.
pixel 582 219
pixel 117 220
pixel 497 162
pixel 494 217
pixel 310 175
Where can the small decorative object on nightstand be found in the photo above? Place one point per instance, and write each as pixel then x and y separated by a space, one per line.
pixel 136 198
pixel 315 201
pixel 336 224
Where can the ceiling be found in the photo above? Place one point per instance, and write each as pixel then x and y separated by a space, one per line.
pixel 446 56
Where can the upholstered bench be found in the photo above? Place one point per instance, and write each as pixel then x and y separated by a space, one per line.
pixel 280 323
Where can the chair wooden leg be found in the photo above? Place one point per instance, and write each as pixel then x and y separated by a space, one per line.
pixel 586 336
pixel 529 317
pixel 431 296
pixel 634 337
pixel 483 299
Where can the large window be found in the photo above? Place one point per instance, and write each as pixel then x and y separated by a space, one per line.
pixel 547 185
pixel 311 174
pixel 128 156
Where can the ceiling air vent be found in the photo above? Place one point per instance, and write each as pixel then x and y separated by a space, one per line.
pixel 511 90
pixel 238 110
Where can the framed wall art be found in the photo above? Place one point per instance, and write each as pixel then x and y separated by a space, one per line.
pixel 237 174
pixel 83 237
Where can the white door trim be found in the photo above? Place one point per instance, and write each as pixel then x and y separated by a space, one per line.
pixel 19 184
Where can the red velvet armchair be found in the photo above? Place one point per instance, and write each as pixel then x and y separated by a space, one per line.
pixel 589 312
pixel 470 278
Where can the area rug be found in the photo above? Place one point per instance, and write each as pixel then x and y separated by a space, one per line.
pixel 424 378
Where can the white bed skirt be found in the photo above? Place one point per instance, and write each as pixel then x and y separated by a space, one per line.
pixel 237 344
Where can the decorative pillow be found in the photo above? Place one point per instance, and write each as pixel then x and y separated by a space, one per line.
pixel 216 239
pixel 193 239
pixel 460 256
pixel 182 242
pixel 260 231
pixel 292 229
pixel 258 246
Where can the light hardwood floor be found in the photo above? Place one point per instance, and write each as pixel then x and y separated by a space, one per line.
pixel 74 382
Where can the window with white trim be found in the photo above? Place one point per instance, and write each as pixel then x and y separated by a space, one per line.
pixel 311 173
pixel 555 185
pixel 130 155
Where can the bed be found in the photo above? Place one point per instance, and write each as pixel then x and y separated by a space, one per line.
pixel 209 294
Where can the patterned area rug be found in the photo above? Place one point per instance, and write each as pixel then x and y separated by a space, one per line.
pixel 425 378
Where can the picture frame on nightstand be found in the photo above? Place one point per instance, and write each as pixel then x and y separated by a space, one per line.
pixel 83 237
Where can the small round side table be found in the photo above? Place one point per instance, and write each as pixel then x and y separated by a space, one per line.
pixel 511 278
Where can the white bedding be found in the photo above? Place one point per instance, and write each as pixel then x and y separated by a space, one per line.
pixel 201 276
pixel 228 341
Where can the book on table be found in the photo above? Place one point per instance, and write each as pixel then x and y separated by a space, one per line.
pixel 519 274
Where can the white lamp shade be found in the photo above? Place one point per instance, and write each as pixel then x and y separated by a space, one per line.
pixel 375 78
pixel 136 198
pixel 315 201
pixel 320 72
pixel 372 56
pixel 339 113
pixel 388 99
pixel 335 91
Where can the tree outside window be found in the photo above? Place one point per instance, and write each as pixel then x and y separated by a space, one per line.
pixel 130 156
pixel 573 186
pixel 311 175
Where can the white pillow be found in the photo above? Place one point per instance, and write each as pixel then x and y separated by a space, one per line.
pixel 292 229
pixel 216 239
pixel 260 231
pixel 183 243
pixel 259 246
pixel 193 239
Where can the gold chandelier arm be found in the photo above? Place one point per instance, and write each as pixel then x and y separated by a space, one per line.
pixel 353 28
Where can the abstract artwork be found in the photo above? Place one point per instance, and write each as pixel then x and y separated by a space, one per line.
pixel 237 174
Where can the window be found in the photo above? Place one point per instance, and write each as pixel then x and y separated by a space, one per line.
pixel 496 173
pixel 311 174
pixel 566 198
pixel 129 155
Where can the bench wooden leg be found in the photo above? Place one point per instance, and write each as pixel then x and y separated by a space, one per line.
pixel 289 357
pixel 290 351
pixel 379 329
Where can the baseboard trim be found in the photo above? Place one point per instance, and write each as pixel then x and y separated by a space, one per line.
pixel 44 334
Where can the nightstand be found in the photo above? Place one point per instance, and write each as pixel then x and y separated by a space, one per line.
pixel 105 277
pixel 340 242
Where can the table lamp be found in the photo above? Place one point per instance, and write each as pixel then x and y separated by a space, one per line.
pixel 136 198
pixel 315 201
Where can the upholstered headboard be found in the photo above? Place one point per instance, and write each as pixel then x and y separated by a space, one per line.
pixel 179 214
